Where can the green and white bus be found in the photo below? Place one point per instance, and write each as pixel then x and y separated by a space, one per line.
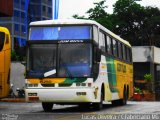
pixel 77 62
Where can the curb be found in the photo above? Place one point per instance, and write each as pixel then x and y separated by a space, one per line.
pixel 12 100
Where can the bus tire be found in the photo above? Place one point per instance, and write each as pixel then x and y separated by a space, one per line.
pixel 99 105
pixel 127 92
pixel 47 106
pixel 122 101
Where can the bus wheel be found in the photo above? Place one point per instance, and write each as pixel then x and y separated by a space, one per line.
pixel 124 100
pixel 47 106
pixel 121 101
pixel 99 105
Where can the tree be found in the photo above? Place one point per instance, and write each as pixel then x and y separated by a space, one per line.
pixel 139 25
pixel 98 11
pixel 129 15
pixel 131 21
pixel 99 14
pixel 151 26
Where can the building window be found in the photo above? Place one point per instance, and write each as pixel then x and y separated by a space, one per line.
pixel 23 28
pixel 23 42
pixel 16 27
pixel 16 13
pixel 22 15
pixel 44 8
pixel 49 10
pixel 23 2
pixel 16 1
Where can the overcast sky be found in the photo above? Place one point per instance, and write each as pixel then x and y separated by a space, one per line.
pixel 67 8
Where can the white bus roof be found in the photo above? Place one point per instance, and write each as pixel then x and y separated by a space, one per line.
pixel 77 22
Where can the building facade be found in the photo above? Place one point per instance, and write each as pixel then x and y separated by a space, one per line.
pixel 146 60
pixel 24 12
pixel 6 8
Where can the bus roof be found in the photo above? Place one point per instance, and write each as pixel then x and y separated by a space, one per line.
pixel 4 29
pixel 77 22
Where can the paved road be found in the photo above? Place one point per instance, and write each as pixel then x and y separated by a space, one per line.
pixel 30 111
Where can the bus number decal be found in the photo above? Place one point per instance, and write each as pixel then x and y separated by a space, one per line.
pixel 45 81
pixel 121 68
pixel 71 41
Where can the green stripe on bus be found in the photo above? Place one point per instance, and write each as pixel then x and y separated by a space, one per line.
pixel 75 80
pixel 112 79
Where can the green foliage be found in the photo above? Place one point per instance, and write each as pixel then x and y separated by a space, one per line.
pixel 79 17
pixel 14 56
pixel 137 90
pixel 148 77
pixel 131 21
pixel 98 11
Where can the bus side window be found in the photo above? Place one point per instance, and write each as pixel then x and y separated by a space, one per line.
pixel 95 34
pixel 119 50
pixel 7 39
pixel 109 45
pixel 102 41
pixel 114 44
pixel 2 38
pixel 124 52
pixel 130 54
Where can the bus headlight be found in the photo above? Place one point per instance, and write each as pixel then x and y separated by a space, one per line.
pixel 84 84
pixel 32 94
pixel 81 84
pixel 89 84
pixel 31 85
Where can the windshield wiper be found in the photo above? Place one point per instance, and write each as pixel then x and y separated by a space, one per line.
pixel 49 73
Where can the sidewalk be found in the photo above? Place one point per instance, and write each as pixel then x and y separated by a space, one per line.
pixel 12 100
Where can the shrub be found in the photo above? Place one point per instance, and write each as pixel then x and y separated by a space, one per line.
pixel 137 90
pixel 148 77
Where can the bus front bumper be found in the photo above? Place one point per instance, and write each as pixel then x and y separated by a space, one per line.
pixel 68 95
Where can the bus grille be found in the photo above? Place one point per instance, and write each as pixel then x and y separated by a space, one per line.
pixel 65 84
pixel 48 85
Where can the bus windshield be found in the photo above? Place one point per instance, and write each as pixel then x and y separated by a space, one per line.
pixel 60 33
pixel 2 38
pixel 42 58
pixel 74 60
pixel 66 60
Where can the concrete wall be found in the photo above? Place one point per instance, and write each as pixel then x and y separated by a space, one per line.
pixel 146 54
pixel 17 75
pixel 141 53
pixel 157 55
